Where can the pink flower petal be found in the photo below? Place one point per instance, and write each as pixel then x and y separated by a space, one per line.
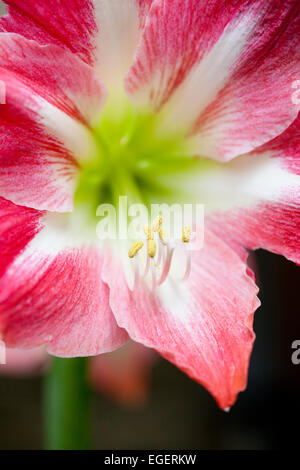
pixel 103 33
pixel 71 85
pixel 42 122
pixel 221 69
pixel 18 226
pixel 70 23
pixel 203 326
pixel 55 296
pixel 273 222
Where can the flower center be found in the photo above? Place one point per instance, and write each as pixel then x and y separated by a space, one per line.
pixel 135 156
pixel 132 153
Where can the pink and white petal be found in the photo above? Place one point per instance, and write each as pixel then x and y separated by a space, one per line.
pixel 103 33
pixel 272 226
pixel 31 157
pixel 25 362
pixel 70 24
pixel 124 375
pixel 203 326
pixel 119 27
pixel 53 294
pixel 42 122
pixel 176 36
pixel 270 215
pixel 18 226
pixel 70 85
pixel 222 70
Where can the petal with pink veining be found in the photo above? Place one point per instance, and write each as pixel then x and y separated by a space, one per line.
pixel 103 33
pixel 223 70
pixel 53 294
pixel 70 24
pixel 18 226
pixel 43 122
pixel 203 326
pixel 70 85
pixel 272 219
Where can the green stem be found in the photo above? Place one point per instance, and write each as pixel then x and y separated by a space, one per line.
pixel 67 405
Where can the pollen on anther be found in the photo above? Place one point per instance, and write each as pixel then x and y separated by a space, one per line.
pixel 135 248
pixel 148 232
pixel 186 234
pixel 162 235
pixel 151 248
pixel 156 224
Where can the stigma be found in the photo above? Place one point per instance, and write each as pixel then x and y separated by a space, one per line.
pixel 158 255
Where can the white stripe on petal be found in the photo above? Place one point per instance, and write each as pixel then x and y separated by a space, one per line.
pixel 75 136
pixel 243 182
pixel 209 76
pixel 117 38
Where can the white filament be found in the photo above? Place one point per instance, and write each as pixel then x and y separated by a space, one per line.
pixel 163 258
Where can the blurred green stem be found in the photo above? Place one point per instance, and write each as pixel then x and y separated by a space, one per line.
pixel 67 405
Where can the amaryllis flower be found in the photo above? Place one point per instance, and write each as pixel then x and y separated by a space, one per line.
pixel 161 101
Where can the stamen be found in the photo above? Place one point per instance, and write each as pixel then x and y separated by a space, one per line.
pixel 146 267
pixel 162 235
pixel 148 232
pixel 186 234
pixel 151 248
pixel 161 249
pixel 135 248
pixel 166 250
pixel 156 224
pixel 136 274
pixel 167 265
pixel 188 266
pixel 154 281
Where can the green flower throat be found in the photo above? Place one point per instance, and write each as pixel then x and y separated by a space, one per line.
pixel 132 156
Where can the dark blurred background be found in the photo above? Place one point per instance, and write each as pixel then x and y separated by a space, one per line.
pixel 180 414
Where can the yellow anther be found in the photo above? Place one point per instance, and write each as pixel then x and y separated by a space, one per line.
pixel 162 235
pixel 151 248
pixel 157 223
pixel 133 251
pixel 148 232
pixel 186 234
